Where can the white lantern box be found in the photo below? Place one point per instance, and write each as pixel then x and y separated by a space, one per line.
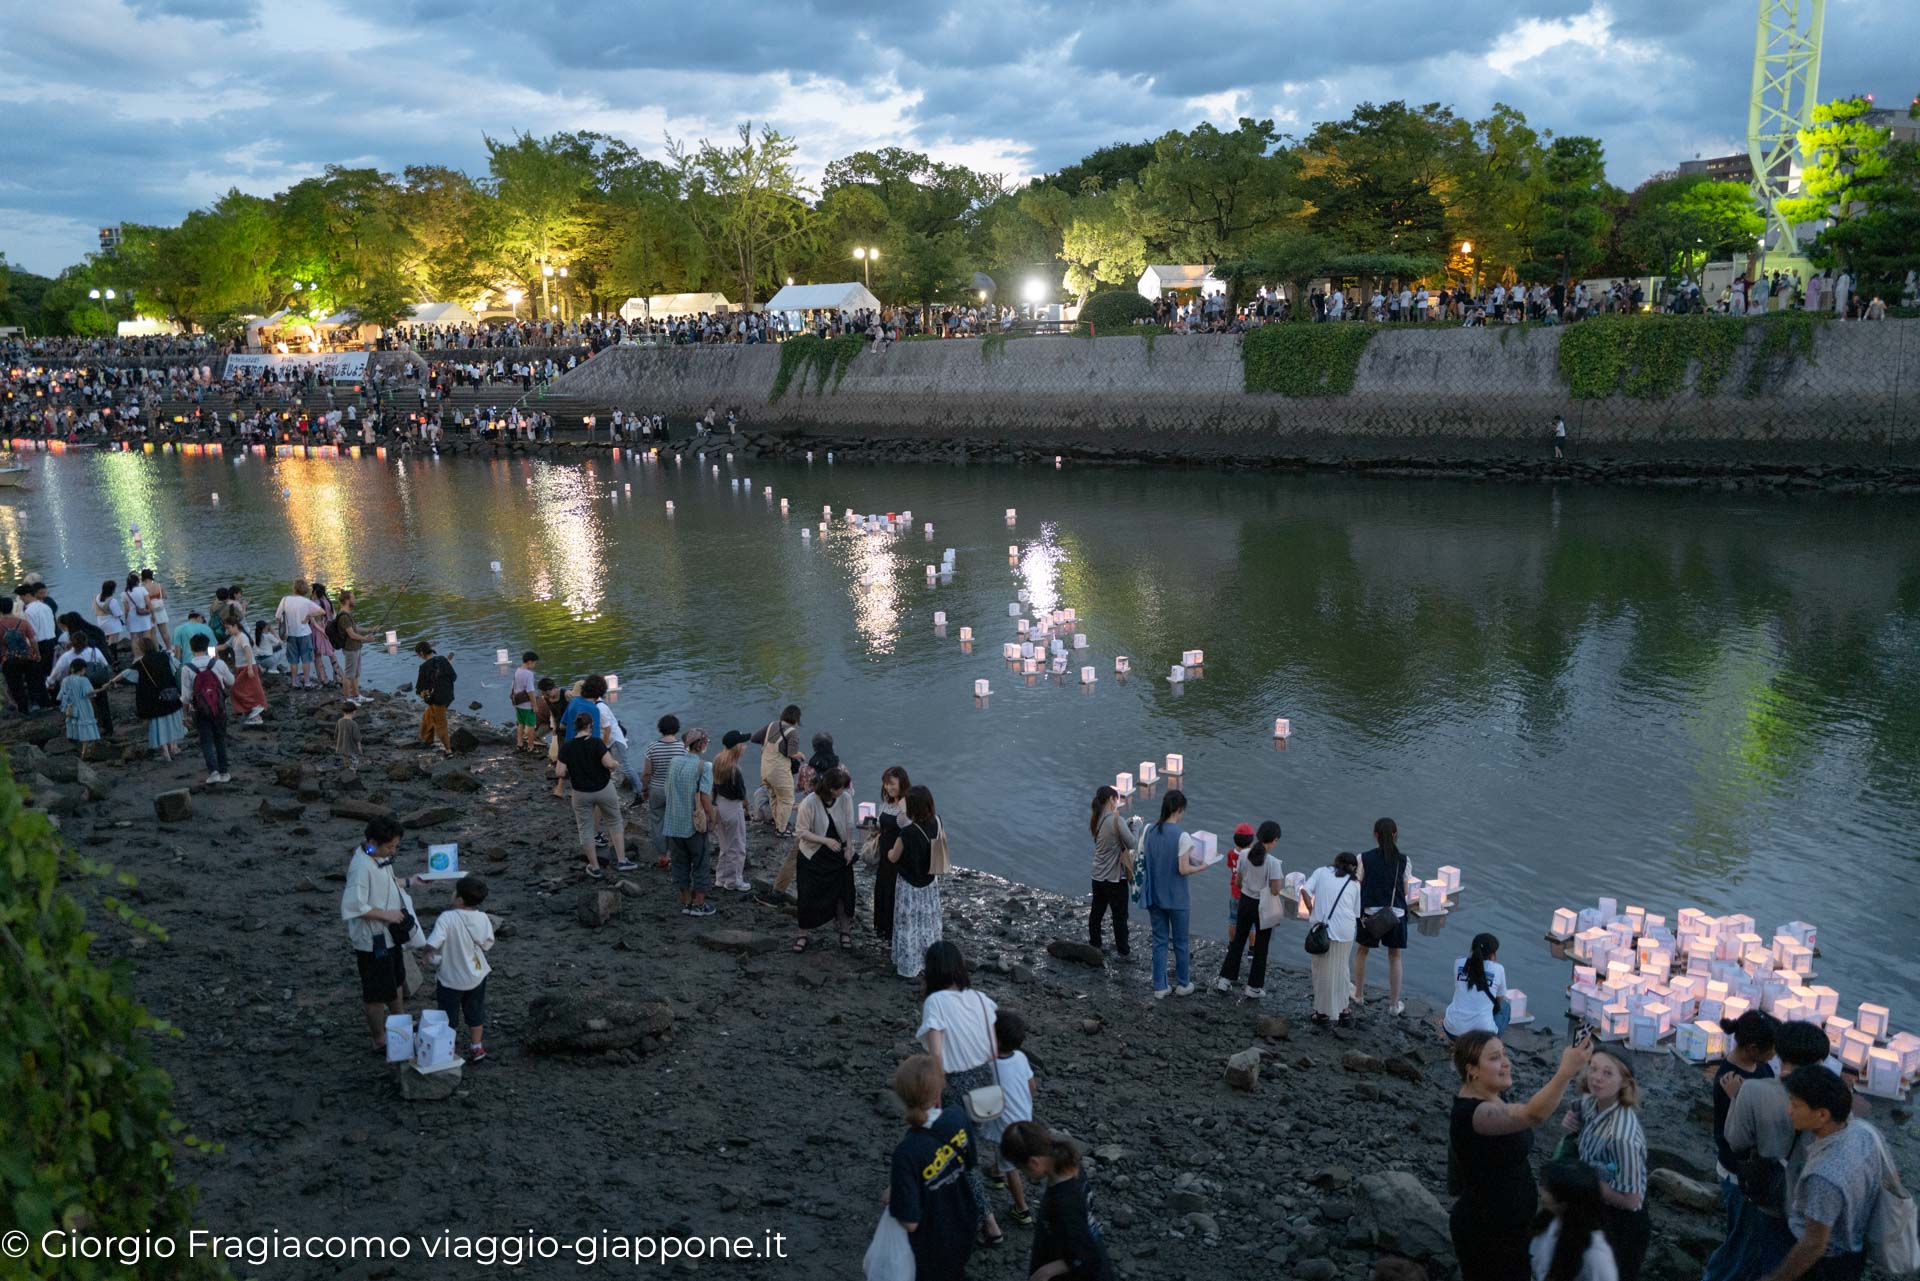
pixel 1873 1020
pixel 1622 935
pixel 1907 1046
pixel 1854 1047
pixel 1643 1032
pixel 867 810
pixel 1087 676
pixel 1585 974
pixel 1586 941
pixel 433 1047
pixel 1789 955
pixel 806 535
pixel 1021 627
pixel 1637 918
pixel 1123 784
pixel 1177 674
pixel 939 618
pixel 1192 657
pixel 500 657
pixel 1688 986
pixel 1023 596
pixel 1079 640
pixel 1282 727
pixel 1883 1073
pixel 1011 515
pixel 767 492
pixel 981 689
pixel 1517 1011
pixel 1590 919
pixel 1565 925
pixel 1176 764
pixel 1586 1002
pixel 1058 646
pixel 1616 1023
pixel 1801 933
pixel 1609 908
pixel 966 635
pixel 1726 947
pixel 1656 960
pixel 1206 847
pixel 399 1037
pixel 1699 949
pixel 1757 962
pixel 393 638
pixel 1700 1041
pixel 1122 664
pixel 1739 922
pixel 1013 553
pixel 1450 876
pixel 1656 925
pixel 1773 990
pixel 1735 1007
pixel 1030 667
pixel 1027 650
pixel 1013 610
pixel 1826 1000
pixel 932 573
pixel 1011 651
pixel 1619 971
pixel 1713 1008
pixel 1148 772
pixel 1663 1013
pixel 1432 899
pixel 1688 920
pixel 1292 882
pixel 1836 1030
pixel 1070 614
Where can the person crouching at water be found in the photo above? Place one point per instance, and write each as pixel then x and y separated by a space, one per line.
pixel 1167 852
pixel 1115 847
pixel 1066 1241
pixel 1479 991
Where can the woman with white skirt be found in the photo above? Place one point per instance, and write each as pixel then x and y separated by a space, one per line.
pixel 1333 896
pixel 916 903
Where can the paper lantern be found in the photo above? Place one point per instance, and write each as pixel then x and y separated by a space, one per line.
pixel 1067 614
pixel 1176 764
pixel 1907 1046
pixel 980 689
pixel 939 618
pixel 1698 1042
pixel 1585 974
pixel 867 810
pixel 1177 674
pixel 1657 924
pixel 1206 847
pixel 1740 923
pixel 783 506
pixel 1011 651
pixel 1013 553
pixel 966 635
pixel 500 657
pixel 1122 664
pixel 1282 727
pixel 1643 1032
pixel 1801 933
pixel 1087 676
pixel 1854 1047
pixel 1661 1011
pixel 1013 610
pixel 1020 627
pixel 1565 924
pixel 1657 960
pixel 1699 953
pixel 496 566
pixel 1826 1000
pixel 1010 515
pixel 1735 1006
pixel 806 535
pixel 1079 640
pixel 613 682
pixel 1637 918
pixel 1609 908
pixel 1023 596
pixel 1123 784
pixel 1797 957
pixel 1837 1030
pixel 1586 941
pixel 1029 667
pixel 1450 875
pixel 1585 1002
pixel 393 638
pixel 1616 1022
pixel 767 492
pixel 1433 898
pixel 932 573
pixel 1148 772
pixel 1192 657
pixel 1873 1020
pixel 1883 1072
pixel 1516 1006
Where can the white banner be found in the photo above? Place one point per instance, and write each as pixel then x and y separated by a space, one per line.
pixel 335 365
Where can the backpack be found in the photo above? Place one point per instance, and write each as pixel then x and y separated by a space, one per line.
pixel 14 646
pixel 209 695
pixel 99 675
pixel 336 632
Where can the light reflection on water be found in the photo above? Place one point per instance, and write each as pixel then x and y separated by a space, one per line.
pixel 1568 693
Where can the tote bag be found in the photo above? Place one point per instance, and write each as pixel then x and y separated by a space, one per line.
pixel 1893 1230
pixel 890 1256
pixel 1273 907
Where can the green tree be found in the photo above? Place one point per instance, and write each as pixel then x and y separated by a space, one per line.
pixel 447 216
pixel 1674 226
pixel 1102 244
pixel 1208 192
pixel 541 187
pixel 1375 180
pixel 1494 187
pixel 745 203
pixel 1103 170
pixel 1292 256
pixel 91 1137
pixel 1572 232
pixel 1845 159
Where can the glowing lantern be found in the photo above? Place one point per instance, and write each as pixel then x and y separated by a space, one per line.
pixel 980 689
pixel 1148 772
pixel 1176 764
pixel 1873 1020
pixel 1565 921
pixel 1123 784
pixel 1282 727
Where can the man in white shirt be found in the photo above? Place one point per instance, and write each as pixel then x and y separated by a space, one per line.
pixel 295 612
pixel 208 709
pixel 370 903
pixel 39 616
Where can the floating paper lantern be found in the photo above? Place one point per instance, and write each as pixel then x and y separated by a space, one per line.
pixel 1700 1041
pixel 1854 1048
pixel 1123 784
pixel 1565 921
pixel 1643 1032
pixel 1192 657
pixel 613 683
pixel 966 635
pixel 1010 515
pixel 500 657
pixel 1450 875
pixel 1030 666
pixel 1013 553
pixel 931 572
pixel 806 535
pixel 1517 1006
pixel 1176 764
pixel 1433 898
pixel 393 638
pixel 1013 609
pixel 1657 960
pixel 1087 676
pixel 767 492
pixel 1206 846
pixel 939 618
pixel 1282 727
pixel 1021 627
pixel 783 506
pixel 1148 772
pixel 1023 596
pixel 1026 649
pixel 1826 1001
pixel 1907 1046
pixel 1010 651
pixel 669 507
pixel 1122 664
pixel 929 530
pixel 1636 917
pixel 1609 908
pixel 1177 674
pixel 1079 640
pixel 216 496
pixel 1883 1072
pixel 1616 1022
pixel 496 566
pixel 1793 956
pixel 1586 941
pixel 1873 1020
pixel 980 689
pixel 1735 1006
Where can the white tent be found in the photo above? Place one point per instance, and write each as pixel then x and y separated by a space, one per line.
pixel 148 327
pixel 852 296
pixel 1159 279
pixel 669 306
pixel 442 313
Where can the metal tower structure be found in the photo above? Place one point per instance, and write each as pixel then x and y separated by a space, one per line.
pixel 1786 82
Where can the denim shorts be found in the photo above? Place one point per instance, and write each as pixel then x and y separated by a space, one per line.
pixel 299 649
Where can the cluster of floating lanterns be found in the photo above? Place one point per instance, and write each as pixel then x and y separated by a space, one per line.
pixel 1639 981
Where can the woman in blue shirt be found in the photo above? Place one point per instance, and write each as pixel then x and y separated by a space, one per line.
pixel 1166 862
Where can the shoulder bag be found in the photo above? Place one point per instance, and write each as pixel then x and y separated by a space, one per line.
pixel 1273 908
pixel 1382 921
pixel 939 862
pixel 987 1102
pixel 1319 940
pixel 1893 1229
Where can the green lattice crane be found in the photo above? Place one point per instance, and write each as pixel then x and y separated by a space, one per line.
pixel 1786 82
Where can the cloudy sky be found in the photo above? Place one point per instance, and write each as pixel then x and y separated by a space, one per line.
pixel 140 110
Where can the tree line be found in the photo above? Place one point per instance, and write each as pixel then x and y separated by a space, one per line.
pixel 1393 190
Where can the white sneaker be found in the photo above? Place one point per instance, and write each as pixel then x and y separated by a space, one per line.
pixel 1160 993
pixel 1185 989
pixel 1399 1007
pixel 226 778
pixel 1222 985
pixel 1254 993
pixel 212 779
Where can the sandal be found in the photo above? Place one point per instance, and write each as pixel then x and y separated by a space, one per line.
pixel 800 944
pixel 992 1242
pixel 846 942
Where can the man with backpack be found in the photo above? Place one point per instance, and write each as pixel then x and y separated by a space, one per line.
pixel 434 683
pixel 204 682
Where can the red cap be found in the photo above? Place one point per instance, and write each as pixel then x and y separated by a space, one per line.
pixel 1245 829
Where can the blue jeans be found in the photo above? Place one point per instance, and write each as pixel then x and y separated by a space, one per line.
pixel 1502 1016
pixel 1755 1244
pixel 1170 925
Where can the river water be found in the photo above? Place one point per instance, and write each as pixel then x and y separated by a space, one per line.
pixel 1673 699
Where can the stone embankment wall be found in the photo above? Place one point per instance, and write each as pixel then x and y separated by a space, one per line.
pixel 1434 392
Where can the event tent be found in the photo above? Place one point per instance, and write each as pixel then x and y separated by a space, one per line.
pixel 669 306
pixel 1160 279
pixel 442 313
pixel 852 296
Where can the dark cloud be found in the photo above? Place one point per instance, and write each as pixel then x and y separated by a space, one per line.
pixel 143 109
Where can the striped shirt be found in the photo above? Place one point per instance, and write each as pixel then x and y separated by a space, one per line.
pixel 660 754
pixel 1612 1142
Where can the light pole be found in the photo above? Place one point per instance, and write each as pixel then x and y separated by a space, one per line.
pixel 1466 251
pixel 513 297
pixel 546 275
pixel 867 257
pixel 563 296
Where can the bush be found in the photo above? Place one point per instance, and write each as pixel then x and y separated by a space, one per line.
pixel 1113 311
pixel 90 1129
pixel 1647 357
pixel 1304 360
pixel 824 357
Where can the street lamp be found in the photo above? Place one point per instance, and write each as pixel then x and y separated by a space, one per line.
pixel 1466 251
pixel 867 257
pixel 513 297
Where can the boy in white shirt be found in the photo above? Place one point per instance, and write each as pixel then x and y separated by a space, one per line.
pixel 461 939
pixel 1017 1086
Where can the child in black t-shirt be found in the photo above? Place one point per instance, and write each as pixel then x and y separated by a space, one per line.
pixel 928 1193
pixel 1066 1237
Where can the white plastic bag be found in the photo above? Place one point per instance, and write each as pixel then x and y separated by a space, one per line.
pixel 1893 1231
pixel 399 1037
pixel 890 1257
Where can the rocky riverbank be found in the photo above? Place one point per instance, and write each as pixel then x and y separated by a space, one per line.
pixel 652 1073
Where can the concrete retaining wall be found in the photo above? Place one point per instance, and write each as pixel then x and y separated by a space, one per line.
pixel 1435 391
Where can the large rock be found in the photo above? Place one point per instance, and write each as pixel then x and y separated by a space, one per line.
pixel 1402 1215
pixel 272 809
pixel 464 741
pixel 173 807
pixel 455 779
pixel 92 781
pixel 1243 1070
pixel 362 811
pixel 742 942
pixel 429 816
pixel 1271 1027
pixel 404 770
pixel 1679 1189
pixel 428 1087
pixel 596 907
pixel 1354 1061
pixel 61 769
pixel 591 1022
pixel 1078 953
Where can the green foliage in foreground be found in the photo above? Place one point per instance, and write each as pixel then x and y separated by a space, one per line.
pixel 90 1137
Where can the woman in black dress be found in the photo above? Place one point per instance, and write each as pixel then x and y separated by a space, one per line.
pixel 1383 884
pixel 1489 1155
pixel 824 839
pixel 893 811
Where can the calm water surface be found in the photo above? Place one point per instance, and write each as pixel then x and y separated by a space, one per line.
pixel 1675 700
